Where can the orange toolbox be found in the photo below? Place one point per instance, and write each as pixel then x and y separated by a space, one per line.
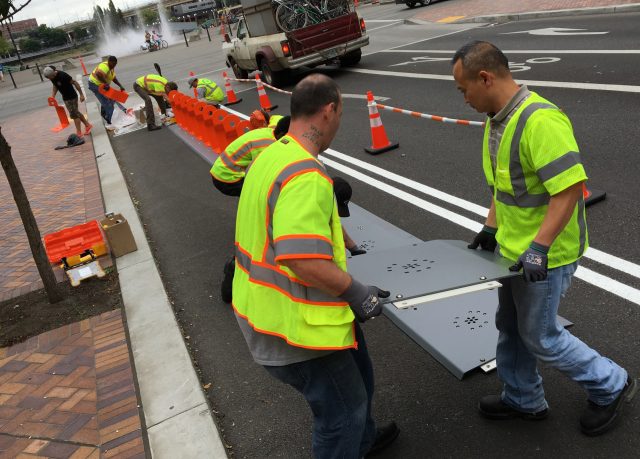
pixel 68 245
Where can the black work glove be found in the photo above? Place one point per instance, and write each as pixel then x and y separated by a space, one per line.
pixel 533 263
pixel 106 87
pixel 364 300
pixel 355 250
pixel 486 239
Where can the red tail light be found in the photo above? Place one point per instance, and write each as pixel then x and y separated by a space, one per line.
pixel 285 48
pixel 363 26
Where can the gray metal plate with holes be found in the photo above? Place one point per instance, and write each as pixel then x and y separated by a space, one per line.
pixel 459 332
pixel 200 148
pixel 422 268
pixel 373 233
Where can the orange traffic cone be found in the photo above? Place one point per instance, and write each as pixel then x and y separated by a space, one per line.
pixel 84 69
pixel 62 115
pixel 265 104
pixel 231 95
pixel 195 90
pixel 592 196
pixel 379 140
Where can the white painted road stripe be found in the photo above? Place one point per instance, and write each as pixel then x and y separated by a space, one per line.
pixel 594 254
pixel 538 83
pixel 521 51
pixel 606 283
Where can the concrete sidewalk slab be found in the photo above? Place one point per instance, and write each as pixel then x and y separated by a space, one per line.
pixel 169 387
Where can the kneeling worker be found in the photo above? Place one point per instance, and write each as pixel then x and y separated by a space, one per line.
pixel 155 86
pixel 207 90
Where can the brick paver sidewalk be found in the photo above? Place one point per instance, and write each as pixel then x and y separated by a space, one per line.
pixel 468 8
pixel 62 185
pixel 69 393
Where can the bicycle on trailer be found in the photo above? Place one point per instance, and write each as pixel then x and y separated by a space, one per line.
pixel 295 14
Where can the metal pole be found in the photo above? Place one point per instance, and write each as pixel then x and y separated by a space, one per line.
pixel 186 42
pixel 12 80
pixel 39 73
pixel 14 42
pixel 208 34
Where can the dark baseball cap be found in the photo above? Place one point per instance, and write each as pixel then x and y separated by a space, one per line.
pixel 343 192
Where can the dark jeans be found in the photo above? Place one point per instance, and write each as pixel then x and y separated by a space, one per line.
pixel 339 389
pixel 148 106
pixel 106 105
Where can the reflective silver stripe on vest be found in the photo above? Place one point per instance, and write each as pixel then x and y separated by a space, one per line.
pixel 281 281
pixel 249 146
pixel 208 88
pixel 303 246
pixel 285 174
pixel 559 165
pixel 230 164
pixel 521 196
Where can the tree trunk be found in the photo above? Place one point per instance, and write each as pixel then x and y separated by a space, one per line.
pixel 30 226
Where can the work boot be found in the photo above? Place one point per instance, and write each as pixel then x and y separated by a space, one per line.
pixel 492 407
pixel 227 281
pixel 385 435
pixel 598 419
pixel 153 127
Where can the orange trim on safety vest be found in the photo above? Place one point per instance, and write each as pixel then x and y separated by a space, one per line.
pixel 330 348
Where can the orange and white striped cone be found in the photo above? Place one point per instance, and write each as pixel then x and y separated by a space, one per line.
pixel 265 104
pixel 84 69
pixel 592 196
pixel 231 95
pixel 379 140
pixel 195 90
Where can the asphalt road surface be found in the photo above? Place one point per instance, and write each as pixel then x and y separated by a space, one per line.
pixel 190 227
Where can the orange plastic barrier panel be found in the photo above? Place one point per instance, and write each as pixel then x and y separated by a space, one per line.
pixel 208 132
pixel 198 111
pixel 118 96
pixel 75 240
pixel 243 127
pixel 190 115
pixel 219 135
pixel 62 115
pixel 230 126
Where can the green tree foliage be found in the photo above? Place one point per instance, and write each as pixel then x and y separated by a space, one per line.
pixel 5 46
pixel 29 45
pixel 149 16
pixel 48 36
pixel 9 8
pixel 79 33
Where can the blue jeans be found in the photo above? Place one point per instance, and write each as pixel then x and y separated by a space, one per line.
pixel 339 390
pixel 529 331
pixel 107 105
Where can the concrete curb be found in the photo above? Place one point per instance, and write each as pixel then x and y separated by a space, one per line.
pixel 498 18
pixel 511 17
pixel 179 422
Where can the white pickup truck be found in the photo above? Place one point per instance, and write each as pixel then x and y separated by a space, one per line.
pixel 275 36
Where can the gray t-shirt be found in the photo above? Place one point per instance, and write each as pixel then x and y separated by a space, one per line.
pixel 499 121
pixel 273 351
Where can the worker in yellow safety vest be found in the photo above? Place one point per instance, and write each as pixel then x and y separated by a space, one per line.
pixel 207 90
pixel 294 300
pixel 158 87
pixel 105 74
pixel 537 216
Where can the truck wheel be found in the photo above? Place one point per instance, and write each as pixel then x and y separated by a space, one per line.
pixel 351 58
pixel 272 77
pixel 411 4
pixel 237 71
pixel 425 2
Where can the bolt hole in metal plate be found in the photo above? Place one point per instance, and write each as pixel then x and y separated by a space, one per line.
pixel 423 268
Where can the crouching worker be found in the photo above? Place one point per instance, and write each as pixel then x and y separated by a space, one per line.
pixel 294 301
pixel 158 87
pixel 208 90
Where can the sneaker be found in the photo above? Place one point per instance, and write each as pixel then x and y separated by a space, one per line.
pixel 598 419
pixel 492 407
pixel 385 435
pixel 227 281
pixel 153 127
pixel 87 130
pixel 109 127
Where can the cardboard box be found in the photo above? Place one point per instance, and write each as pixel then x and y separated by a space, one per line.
pixel 119 235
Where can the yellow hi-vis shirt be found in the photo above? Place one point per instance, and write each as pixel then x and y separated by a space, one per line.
pixel 212 92
pixel 231 165
pixel 287 210
pixel 153 84
pixel 103 67
pixel 537 158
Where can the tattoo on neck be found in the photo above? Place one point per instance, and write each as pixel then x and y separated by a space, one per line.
pixel 313 135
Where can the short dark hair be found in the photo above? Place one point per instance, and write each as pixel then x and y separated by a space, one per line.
pixel 112 59
pixel 170 86
pixel 282 127
pixel 312 93
pixel 481 55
